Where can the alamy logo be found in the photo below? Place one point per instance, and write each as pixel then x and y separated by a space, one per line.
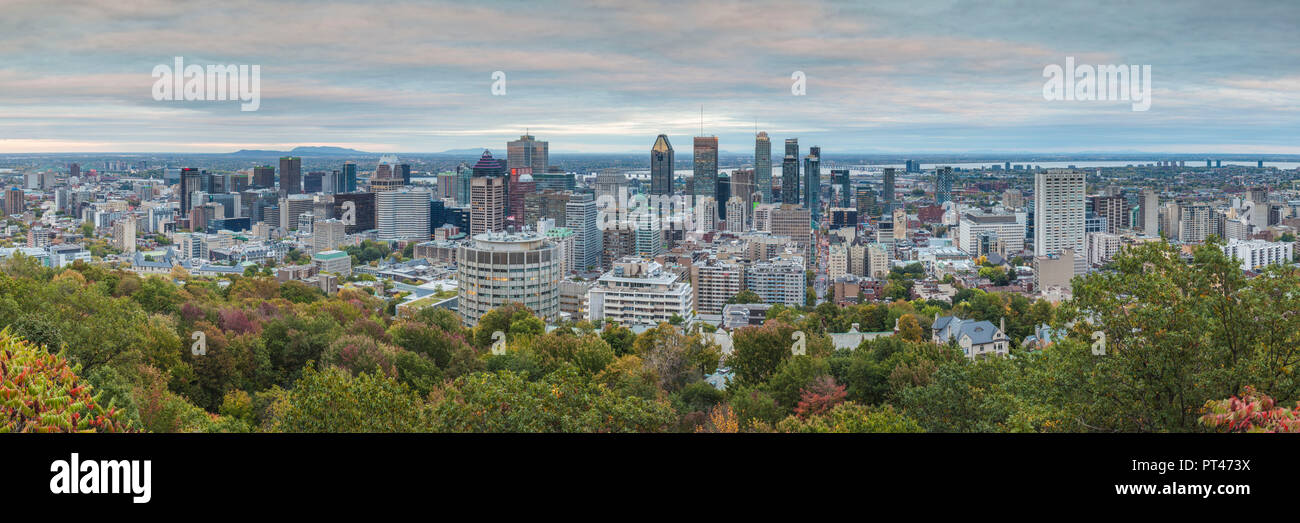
pixel 1103 83
pixel 498 343
pixel 217 82
pixel 102 477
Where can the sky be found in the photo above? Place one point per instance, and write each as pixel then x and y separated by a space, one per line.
pixel 608 76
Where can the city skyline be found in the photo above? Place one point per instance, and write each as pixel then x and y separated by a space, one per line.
pixel 911 77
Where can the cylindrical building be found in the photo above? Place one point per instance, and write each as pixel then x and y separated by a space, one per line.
pixel 497 268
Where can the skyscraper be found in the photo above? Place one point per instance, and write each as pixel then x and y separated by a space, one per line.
pixel 763 166
pixel 887 190
pixel 290 175
pixel 347 181
pixel 840 177
pixel 527 152
pixel 402 214
pixel 580 216
pixel 191 182
pixel 1059 214
pixel 463 174
pixel 661 166
pixel 943 180
pixel 742 185
pixel 790 172
pixel 1150 213
pixel 264 177
pixel 487 196
pixel 812 186
pixel 706 166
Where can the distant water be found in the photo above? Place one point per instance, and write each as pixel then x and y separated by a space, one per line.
pixel 1081 164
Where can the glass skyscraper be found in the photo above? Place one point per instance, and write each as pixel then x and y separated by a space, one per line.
pixel 790 172
pixel 661 166
pixel 763 166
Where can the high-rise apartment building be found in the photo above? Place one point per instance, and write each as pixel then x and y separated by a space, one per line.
pixel 1150 213
pixel 887 191
pixel 943 181
pixel 639 292
pixel 1059 214
pixel 715 282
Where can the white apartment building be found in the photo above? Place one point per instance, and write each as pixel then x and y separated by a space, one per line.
pixel 1059 214
pixel 639 292
pixel 1102 247
pixel 1257 254
pixel 782 280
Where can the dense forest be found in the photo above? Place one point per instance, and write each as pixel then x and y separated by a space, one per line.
pixel 1189 345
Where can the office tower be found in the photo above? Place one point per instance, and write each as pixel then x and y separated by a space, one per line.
pixel 763 166
pixel 610 183
pixel 723 192
pixel 527 152
pixel 943 180
pixel 887 191
pixel 1113 208
pixel 742 185
pixel 580 216
pixel 1059 214
pixel 639 292
pixel 313 183
pixel 74 170
pixel 402 171
pixel 290 175
pixel 812 186
pixel 327 234
pixel 1008 228
pixel 706 167
pixel 545 204
pixel 661 166
pixel 499 268
pixel 790 172
pixel 402 214
pixel 866 202
pixel 563 239
pixel 362 210
pixel 463 175
pixel 447 185
pixel 556 180
pixel 487 196
pixel 264 177
pixel 523 186
pixel 793 221
pixel 649 235
pixel 1150 213
pixel 191 181
pixel 840 178
pixel 487 166
pixel 347 181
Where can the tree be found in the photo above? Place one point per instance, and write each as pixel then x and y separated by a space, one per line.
pixel 820 396
pixel 561 402
pixel 746 296
pixel 331 400
pixel 1252 412
pixel 43 393
pixel 851 417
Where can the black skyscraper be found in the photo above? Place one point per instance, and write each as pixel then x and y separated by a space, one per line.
pixel 661 166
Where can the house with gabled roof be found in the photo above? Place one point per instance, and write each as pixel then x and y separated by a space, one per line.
pixel 975 338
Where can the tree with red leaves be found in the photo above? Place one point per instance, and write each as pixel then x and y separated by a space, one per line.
pixel 1252 412
pixel 819 397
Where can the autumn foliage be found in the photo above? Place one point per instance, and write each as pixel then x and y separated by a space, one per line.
pixel 1252 412
pixel 41 392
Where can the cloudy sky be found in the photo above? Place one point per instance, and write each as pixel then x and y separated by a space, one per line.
pixel 607 76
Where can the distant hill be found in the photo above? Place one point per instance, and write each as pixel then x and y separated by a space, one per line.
pixel 304 151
